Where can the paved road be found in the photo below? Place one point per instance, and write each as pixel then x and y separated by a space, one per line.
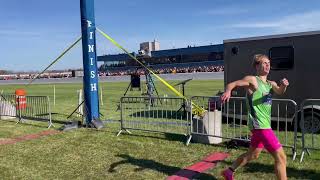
pixel 182 76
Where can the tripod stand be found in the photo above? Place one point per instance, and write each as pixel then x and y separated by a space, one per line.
pixel 134 83
pixel 150 87
pixel 183 105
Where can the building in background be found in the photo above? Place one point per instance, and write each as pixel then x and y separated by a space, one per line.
pixel 150 54
pixel 147 47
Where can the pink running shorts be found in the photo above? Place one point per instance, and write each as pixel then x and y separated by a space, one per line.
pixel 265 138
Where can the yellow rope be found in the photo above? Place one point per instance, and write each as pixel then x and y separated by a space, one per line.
pixel 53 62
pixel 196 108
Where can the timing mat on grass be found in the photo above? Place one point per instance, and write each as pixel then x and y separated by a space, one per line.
pixel 195 169
pixel 28 137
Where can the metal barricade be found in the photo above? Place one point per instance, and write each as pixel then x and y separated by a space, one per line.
pixel 156 114
pixel 310 125
pixel 8 106
pixel 235 115
pixel 232 124
pixel 26 107
pixel 284 117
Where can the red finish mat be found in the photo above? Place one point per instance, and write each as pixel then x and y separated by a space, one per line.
pixel 199 167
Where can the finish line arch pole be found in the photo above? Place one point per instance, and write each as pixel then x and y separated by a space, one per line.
pixel 90 78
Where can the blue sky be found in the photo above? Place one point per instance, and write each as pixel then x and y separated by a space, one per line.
pixel 34 32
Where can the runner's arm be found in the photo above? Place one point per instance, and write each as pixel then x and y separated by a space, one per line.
pixel 245 82
pixel 284 83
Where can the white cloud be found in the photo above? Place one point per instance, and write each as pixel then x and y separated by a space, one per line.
pixel 256 25
pixel 13 32
pixel 44 33
pixel 224 11
pixel 291 23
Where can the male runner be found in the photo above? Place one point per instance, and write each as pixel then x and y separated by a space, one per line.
pixel 259 98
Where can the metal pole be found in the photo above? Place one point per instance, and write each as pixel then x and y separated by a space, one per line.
pixel 101 96
pixel 90 78
pixel 54 95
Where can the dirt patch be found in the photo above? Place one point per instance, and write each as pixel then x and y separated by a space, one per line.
pixel 28 137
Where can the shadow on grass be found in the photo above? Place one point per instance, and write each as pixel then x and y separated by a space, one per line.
pixel 45 120
pixel 38 118
pixel 254 167
pixel 164 114
pixel 291 172
pixel 151 164
pixel 167 136
pixel 60 118
pixel 24 122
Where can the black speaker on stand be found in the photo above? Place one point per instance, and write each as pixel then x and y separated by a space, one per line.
pixel 135 81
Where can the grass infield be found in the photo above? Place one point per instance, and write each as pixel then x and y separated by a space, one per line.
pixel 92 154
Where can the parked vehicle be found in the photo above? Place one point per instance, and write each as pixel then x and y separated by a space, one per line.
pixel 293 56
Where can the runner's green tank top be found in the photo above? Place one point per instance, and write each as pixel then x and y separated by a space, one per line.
pixel 259 106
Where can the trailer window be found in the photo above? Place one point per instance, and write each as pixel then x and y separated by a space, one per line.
pixel 281 58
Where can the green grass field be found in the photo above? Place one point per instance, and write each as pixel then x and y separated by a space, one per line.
pixel 92 154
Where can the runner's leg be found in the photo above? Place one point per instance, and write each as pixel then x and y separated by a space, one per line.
pixel 251 154
pixel 280 164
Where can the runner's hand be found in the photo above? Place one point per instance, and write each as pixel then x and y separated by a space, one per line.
pixel 225 96
pixel 284 82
